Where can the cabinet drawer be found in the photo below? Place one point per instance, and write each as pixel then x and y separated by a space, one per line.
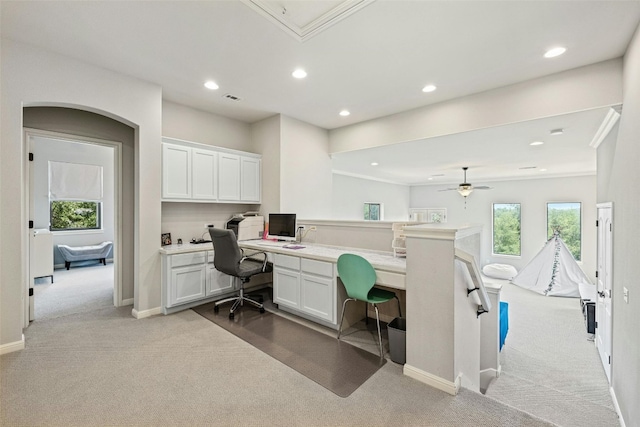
pixel 287 261
pixel 187 259
pixel 320 268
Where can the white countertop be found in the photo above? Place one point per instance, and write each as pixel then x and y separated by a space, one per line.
pixel 384 261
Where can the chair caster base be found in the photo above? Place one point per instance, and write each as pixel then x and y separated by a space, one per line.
pixel 216 309
pixel 231 315
pixel 261 309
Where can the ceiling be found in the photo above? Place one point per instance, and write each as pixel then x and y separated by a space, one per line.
pixel 370 57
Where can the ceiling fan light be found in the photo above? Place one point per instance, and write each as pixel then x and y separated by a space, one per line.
pixel 465 189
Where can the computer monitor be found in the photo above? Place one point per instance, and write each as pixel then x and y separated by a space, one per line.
pixel 282 226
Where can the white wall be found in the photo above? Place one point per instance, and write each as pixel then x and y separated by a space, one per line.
pixel 350 193
pixel 533 195
pixel 29 77
pixel 49 149
pixel 189 124
pixel 305 170
pixel 618 178
pixel 265 137
pixel 592 86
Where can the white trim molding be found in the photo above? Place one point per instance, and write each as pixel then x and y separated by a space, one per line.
pixel 440 383
pixel 146 313
pixel 12 346
pixel 617 407
pixel 607 124
pixel 125 302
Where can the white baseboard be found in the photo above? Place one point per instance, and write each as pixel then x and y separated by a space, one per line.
pixel 128 301
pixel 12 346
pixel 432 380
pixel 615 404
pixel 146 313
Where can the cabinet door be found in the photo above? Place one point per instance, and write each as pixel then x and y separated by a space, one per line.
pixel 250 179
pixel 286 287
pixel 217 282
pixel 176 172
pixel 204 174
pixel 187 284
pixel 316 296
pixel 229 177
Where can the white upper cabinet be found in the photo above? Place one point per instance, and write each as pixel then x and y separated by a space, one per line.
pixel 229 177
pixel 197 172
pixel 176 172
pixel 204 174
pixel 250 179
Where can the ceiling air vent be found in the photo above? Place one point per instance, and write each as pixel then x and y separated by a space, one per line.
pixel 528 167
pixel 231 97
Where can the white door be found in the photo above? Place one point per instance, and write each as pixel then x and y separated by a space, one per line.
pixel 604 286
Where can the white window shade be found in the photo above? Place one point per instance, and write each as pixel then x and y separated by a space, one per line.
pixel 73 181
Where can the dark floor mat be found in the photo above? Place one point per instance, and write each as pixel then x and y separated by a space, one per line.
pixel 334 364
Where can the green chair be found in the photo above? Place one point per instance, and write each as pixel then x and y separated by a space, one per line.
pixel 358 277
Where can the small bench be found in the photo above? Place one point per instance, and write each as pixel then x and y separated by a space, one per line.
pixel 84 253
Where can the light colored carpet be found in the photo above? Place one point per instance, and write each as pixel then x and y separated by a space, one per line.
pixel 77 290
pixel 549 366
pixel 105 368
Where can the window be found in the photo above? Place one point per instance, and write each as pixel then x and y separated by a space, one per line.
pixel 75 195
pixel 565 219
pixel 373 211
pixel 506 229
pixel 75 215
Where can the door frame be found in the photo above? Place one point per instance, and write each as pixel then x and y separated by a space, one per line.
pixel 28 134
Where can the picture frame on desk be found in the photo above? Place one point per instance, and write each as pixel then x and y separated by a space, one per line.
pixel 165 239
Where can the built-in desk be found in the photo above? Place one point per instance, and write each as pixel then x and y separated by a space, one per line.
pixel 305 279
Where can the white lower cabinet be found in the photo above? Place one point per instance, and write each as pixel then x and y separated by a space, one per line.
pixel 217 281
pixel 306 286
pixel 286 287
pixel 190 278
pixel 186 278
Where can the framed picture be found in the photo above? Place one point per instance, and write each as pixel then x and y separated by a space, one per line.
pixel 166 239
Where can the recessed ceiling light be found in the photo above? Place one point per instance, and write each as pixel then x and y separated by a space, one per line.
pixel 559 131
pixel 537 143
pixel 542 170
pixel 299 73
pixel 429 88
pixel 556 51
pixel 344 113
pixel 374 163
pixel 430 178
pixel 211 85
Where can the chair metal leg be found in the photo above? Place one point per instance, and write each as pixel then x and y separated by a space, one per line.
pixel 379 334
pixel 344 305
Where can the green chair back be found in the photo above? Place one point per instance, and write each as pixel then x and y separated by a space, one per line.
pixel 357 275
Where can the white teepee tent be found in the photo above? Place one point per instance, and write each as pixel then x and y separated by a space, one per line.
pixel 552 272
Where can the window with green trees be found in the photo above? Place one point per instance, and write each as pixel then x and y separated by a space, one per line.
pixel 565 218
pixel 373 211
pixel 506 229
pixel 75 215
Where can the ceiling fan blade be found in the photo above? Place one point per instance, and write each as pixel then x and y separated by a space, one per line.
pixel 450 189
pixel 482 187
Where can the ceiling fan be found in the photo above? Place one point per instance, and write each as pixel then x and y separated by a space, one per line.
pixel 466 188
